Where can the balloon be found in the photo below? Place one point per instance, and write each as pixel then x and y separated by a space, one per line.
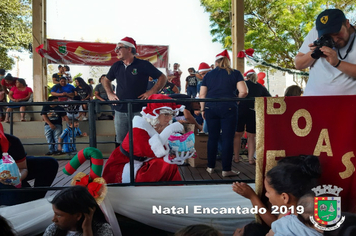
pixel 261 81
pixel 261 75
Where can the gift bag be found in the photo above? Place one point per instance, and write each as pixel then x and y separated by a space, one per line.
pixel 182 142
pixel 9 171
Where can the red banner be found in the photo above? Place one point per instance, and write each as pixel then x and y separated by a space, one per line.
pixel 98 54
pixel 320 126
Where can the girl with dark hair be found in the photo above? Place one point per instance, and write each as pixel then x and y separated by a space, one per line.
pixel 84 91
pixel 76 212
pixel 284 184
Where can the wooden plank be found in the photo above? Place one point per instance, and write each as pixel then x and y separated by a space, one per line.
pixel 185 173
pixel 188 173
pixel 204 174
pixel 195 173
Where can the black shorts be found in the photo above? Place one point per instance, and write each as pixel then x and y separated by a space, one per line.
pixel 246 121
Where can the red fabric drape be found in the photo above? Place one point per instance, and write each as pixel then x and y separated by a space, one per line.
pixel 323 126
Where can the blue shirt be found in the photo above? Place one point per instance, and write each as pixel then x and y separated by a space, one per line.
pixel 131 81
pixel 220 84
pixel 68 88
pixel 69 139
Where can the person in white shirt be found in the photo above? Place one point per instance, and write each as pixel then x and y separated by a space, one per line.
pixel 334 73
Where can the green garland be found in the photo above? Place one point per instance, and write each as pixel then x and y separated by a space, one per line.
pixel 289 71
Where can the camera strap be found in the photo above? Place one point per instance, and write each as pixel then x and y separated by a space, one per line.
pixel 348 50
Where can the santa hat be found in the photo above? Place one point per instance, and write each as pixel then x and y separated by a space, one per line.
pixel 152 109
pixel 130 42
pixel 252 71
pixel 223 54
pixel 204 67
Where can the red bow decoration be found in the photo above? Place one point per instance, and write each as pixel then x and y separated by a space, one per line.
pixel 92 187
pixel 40 50
pixel 248 52
pixel 241 54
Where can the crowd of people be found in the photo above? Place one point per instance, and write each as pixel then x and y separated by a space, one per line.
pixel 286 184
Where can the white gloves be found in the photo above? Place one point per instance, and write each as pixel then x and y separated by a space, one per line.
pixel 170 129
pixel 179 159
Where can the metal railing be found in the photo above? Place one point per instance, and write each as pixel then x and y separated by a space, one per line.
pixel 94 108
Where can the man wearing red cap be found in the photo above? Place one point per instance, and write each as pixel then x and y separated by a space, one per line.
pixel 131 75
pixel 333 63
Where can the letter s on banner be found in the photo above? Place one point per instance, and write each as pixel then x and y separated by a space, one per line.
pixel 350 168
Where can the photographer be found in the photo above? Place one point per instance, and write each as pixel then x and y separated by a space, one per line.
pixel 334 72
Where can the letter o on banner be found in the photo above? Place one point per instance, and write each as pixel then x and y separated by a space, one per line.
pixel 308 119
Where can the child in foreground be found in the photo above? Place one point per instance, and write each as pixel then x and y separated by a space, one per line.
pixel 285 184
pixel 76 213
pixel 297 224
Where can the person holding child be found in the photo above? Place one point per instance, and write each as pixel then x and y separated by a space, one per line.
pixel 76 213
pixel 68 137
pixel 19 93
pixel 299 224
pixel 285 184
pixel 52 115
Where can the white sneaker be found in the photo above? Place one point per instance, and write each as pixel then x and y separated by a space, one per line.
pixel 230 173
pixel 85 118
pixel 210 170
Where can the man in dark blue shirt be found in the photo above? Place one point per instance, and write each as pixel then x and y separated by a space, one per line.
pixel 131 75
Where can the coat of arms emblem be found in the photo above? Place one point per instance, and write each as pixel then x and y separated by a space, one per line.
pixel 327 209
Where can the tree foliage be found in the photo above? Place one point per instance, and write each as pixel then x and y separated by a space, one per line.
pixel 15 28
pixel 275 29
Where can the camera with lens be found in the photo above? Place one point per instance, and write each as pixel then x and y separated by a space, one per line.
pixel 324 40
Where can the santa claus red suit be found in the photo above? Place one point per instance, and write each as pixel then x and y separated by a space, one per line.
pixel 149 149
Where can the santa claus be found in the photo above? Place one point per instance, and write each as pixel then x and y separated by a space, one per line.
pixel 150 146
